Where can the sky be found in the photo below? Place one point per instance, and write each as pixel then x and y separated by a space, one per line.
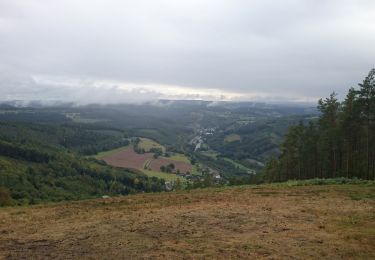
pixel 114 51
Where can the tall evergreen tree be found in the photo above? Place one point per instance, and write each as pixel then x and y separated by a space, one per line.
pixel 329 131
pixel 366 101
pixel 352 135
pixel 340 143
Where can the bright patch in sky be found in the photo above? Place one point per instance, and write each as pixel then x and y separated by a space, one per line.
pixel 130 51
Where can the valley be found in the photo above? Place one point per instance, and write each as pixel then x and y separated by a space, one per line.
pixel 146 163
pixel 187 130
pixel 183 143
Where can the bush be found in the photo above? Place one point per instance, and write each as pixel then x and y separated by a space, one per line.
pixel 5 198
pixel 329 181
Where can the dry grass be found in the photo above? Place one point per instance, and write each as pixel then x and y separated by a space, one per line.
pixel 318 222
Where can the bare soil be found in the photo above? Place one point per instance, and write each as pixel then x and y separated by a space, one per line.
pixel 127 159
pixel 261 222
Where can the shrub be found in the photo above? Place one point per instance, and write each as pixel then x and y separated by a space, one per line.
pixel 5 198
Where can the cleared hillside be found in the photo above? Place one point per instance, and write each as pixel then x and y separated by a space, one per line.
pixel 330 222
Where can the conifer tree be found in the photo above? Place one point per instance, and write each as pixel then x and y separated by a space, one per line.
pixel 341 143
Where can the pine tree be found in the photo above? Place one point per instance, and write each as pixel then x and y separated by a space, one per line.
pixel 329 131
pixel 366 101
pixel 340 143
pixel 351 129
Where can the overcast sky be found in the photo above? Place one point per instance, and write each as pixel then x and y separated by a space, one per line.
pixel 120 51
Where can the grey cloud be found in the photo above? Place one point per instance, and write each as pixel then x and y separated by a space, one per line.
pixel 280 48
pixel 24 88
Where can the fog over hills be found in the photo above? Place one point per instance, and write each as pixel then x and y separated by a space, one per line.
pixel 115 52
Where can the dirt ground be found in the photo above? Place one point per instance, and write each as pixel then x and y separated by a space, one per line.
pixel 312 222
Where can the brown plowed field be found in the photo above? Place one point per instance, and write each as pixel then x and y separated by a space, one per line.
pixel 182 166
pixel 127 159
pixel 132 160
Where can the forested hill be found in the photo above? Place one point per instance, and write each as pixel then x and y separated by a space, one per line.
pixel 37 164
pixel 340 143
pixel 85 139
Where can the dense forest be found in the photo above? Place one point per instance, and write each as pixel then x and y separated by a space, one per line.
pixel 45 151
pixel 259 140
pixel 41 163
pixel 341 143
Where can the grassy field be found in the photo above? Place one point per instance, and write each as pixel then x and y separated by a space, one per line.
pixel 252 222
pixel 232 138
pixel 214 155
pixel 107 153
pixel 179 157
pixel 124 157
pixel 240 166
pixel 211 154
pixel 162 175
pixel 147 144
pixel 195 170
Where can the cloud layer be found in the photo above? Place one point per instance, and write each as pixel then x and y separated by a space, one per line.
pixel 120 51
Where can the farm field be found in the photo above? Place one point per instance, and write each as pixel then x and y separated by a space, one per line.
pixel 108 153
pixel 214 155
pixel 253 222
pixel 162 175
pixel 232 138
pixel 126 157
pixel 179 157
pixel 240 166
pixel 211 154
pixel 148 144
pixel 181 166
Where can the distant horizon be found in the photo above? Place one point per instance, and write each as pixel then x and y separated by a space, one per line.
pixel 52 103
pixel 126 51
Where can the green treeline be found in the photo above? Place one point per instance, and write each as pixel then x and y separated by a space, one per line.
pixel 83 139
pixel 23 151
pixel 340 143
pixel 42 163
